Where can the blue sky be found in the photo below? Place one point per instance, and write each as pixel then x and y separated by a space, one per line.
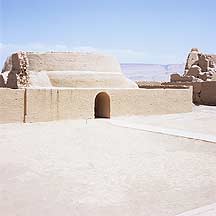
pixel 139 31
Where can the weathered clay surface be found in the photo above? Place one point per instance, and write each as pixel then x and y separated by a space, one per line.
pixel 79 103
pixel 7 65
pixel 16 68
pixel 200 72
pixel 199 67
pixel 203 92
pixel 86 75
pixel 2 82
pixel 65 69
pixel 45 104
pixel 192 58
pixel 11 105
pixel 178 78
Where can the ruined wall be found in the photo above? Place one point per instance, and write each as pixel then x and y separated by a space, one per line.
pixel 15 72
pixel 41 105
pixel 208 93
pixel 203 92
pixel 72 61
pixel 64 69
pixel 200 72
pixel 11 105
pixel 151 101
pixel 56 104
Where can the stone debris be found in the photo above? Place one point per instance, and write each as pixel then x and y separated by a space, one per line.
pixel 199 67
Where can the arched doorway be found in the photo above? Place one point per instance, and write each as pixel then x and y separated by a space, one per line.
pixel 102 105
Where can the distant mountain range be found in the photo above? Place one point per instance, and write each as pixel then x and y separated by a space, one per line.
pixel 151 72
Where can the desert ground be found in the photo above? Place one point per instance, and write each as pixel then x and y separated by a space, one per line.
pixel 132 166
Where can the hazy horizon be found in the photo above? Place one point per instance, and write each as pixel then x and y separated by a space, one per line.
pixel 151 72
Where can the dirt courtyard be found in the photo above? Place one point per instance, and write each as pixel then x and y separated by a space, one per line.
pixel 99 168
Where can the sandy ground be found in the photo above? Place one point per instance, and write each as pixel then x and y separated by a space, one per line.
pixel 201 120
pixel 209 210
pixel 74 168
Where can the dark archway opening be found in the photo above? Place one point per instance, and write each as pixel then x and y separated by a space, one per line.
pixel 102 105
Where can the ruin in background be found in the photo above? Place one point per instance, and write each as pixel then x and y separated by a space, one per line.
pixel 200 72
pixel 199 67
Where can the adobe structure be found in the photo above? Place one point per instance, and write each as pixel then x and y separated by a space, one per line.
pixel 200 72
pixel 69 85
pixel 199 67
